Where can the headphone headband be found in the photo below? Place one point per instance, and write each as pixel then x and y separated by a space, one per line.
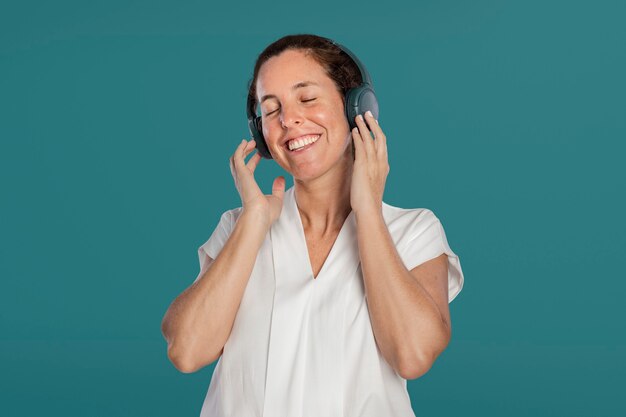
pixel 365 76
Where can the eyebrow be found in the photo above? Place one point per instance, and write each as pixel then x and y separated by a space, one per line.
pixel 294 87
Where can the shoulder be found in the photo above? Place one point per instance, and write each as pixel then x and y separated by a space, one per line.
pixel 230 216
pixel 403 219
pixel 409 227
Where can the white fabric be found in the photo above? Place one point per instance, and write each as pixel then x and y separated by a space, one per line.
pixel 304 347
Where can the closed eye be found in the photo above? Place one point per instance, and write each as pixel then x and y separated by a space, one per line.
pixel 304 101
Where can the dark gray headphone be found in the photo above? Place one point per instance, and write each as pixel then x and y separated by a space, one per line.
pixel 358 100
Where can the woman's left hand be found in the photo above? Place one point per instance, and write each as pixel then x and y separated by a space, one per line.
pixel 371 166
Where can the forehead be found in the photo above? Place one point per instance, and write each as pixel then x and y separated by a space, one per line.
pixel 279 73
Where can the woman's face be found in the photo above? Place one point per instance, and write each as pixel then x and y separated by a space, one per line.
pixel 298 100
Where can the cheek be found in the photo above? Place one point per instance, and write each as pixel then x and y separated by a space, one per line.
pixel 340 124
pixel 271 129
pixel 332 120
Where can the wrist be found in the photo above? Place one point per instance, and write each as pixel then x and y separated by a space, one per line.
pixel 369 215
pixel 255 217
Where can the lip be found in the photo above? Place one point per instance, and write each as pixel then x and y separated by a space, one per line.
pixel 305 149
pixel 299 136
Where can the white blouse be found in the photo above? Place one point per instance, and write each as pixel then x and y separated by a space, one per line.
pixel 304 347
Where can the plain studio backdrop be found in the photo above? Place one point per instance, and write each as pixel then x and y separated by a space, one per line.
pixel 117 119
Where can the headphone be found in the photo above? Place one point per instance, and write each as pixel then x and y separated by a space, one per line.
pixel 358 100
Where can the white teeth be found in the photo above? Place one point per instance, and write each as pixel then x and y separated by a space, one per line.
pixel 297 144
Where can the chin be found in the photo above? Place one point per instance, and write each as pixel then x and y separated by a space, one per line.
pixel 307 174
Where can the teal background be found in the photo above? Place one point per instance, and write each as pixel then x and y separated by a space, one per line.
pixel 117 119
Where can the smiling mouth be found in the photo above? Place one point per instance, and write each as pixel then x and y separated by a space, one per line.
pixel 304 143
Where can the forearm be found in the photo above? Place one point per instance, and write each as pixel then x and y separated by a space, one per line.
pixel 408 326
pixel 199 321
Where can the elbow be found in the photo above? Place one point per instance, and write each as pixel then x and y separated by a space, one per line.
pixel 415 364
pixel 415 367
pixel 177 354
pixel 181 362
pixel 188 362
pixel 176 357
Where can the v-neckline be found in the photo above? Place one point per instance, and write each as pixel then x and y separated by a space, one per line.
pixel 330 256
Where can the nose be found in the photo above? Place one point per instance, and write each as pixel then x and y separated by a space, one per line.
pixel 290 116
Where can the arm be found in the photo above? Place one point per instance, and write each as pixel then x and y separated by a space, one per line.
pixel 408 309
pixel 199 321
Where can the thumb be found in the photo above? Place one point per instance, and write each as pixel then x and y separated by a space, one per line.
pixel 278 188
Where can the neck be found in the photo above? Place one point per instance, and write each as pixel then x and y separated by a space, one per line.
pixel 324 202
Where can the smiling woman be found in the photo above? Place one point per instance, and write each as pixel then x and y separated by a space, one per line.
pixel 320 300
pixel 299 100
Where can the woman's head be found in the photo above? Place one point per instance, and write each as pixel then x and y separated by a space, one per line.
pixel 299 82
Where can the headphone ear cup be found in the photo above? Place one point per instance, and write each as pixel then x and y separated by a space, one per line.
pixel 256 130
pixel 351 102
pixel 358 101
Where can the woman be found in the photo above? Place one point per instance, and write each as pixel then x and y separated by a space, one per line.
pixel 320 300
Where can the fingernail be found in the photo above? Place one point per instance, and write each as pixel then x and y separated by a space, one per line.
pixel 376 121
pixel 360 116
pixel 369 113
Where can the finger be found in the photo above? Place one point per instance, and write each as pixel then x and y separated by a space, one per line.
pixel 278 187
pixel 232 166
pixel 359 151
pixel 239 160
pixel 253 162
pixel 373 125
pixel 239 148
pixel 233 157
pixel 380 138
pixel 250 147
pixel 245 171
pixel 238 155
pixel 233 172
pixel 368 142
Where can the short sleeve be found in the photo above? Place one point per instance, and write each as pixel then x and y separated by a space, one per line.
pixel 427 240
pixel 217 240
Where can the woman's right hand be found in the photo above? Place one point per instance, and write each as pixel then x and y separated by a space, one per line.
pixel 252 198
